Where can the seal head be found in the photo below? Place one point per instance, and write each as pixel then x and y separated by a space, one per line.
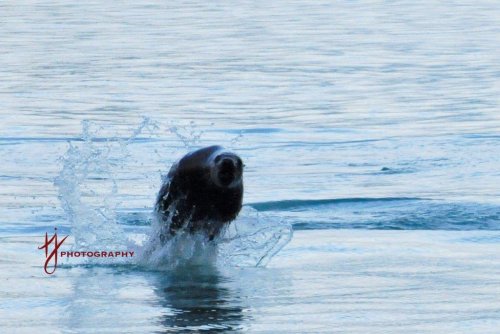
pixel 203 191
pixel 227 170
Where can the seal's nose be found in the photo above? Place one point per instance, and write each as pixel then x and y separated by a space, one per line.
pixel 226 173
pixel 228 159
pixel 228 168
pixel 227 163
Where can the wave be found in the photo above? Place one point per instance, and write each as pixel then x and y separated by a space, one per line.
pixel 390 213
pixel 291 204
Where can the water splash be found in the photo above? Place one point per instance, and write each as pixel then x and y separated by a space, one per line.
pixel 87 175
pixel 87 187
pixel 182 249
pixel 190 135
pixel 88 192
pixel 236 140
pixel 251 240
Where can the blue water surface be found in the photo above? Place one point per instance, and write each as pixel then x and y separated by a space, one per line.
pixel 371 128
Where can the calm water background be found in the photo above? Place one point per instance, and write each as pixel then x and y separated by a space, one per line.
pixel 373 128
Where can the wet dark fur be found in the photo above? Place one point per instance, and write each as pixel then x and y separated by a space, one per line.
pixel 190 199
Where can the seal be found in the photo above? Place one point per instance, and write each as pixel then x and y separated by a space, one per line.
pixel 203 191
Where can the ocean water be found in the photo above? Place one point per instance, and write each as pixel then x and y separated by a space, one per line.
pixel 370 132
